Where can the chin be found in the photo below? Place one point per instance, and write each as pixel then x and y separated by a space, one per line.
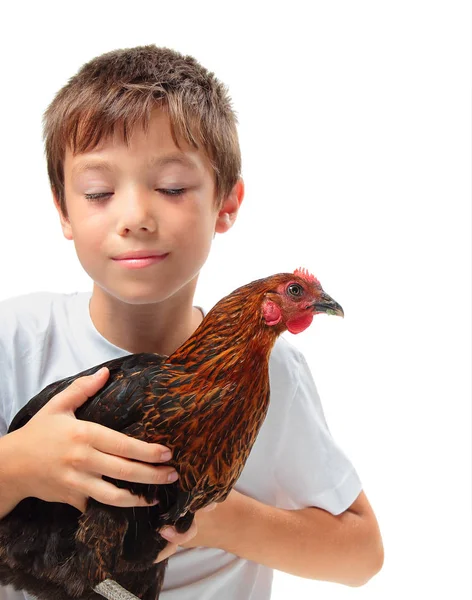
pixel 140 295
pixel 140 299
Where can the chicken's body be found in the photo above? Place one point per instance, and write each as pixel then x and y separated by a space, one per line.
pixel 206 402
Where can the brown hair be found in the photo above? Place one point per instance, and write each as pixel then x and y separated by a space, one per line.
pixel 121 88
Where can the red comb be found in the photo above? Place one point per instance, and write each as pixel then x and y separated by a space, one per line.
pixel 306 275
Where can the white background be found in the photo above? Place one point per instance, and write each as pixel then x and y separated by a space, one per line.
pixel 355 133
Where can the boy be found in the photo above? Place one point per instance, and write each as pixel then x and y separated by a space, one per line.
pixel 144 164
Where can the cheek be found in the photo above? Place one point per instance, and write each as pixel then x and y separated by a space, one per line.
pixel 195 229
pixel 196 244
pixel 88 235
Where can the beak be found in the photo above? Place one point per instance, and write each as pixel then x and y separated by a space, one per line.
pixel 327 305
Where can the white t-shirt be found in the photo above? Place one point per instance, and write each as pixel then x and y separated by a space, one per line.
pixel 294 462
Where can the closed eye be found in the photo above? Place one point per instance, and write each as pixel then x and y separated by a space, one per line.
pixel 171 191
pixel 103 195
pixel 97 197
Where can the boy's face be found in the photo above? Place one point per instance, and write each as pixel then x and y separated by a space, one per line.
pixel 143 215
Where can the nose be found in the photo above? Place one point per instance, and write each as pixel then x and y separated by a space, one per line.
pixel 136 212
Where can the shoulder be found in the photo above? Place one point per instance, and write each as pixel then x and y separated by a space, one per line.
pixel 292 389
pixel 35 345
pixel 31 316
pixel 24 323
pixel 30 312
pixel 286 365
pixel 292 385
pixel 286 353
pixel 34 309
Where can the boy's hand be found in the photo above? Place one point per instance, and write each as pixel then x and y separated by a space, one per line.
pixel 209 528
pixel 62 459
pixel 181 539
pixel 215 528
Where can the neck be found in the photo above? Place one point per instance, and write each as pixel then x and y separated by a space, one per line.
pixel 158 327
pixel 233 330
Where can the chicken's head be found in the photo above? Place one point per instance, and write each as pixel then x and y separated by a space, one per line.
pixel 297 297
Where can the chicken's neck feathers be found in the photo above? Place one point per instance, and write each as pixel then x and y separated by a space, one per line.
pixel 235 325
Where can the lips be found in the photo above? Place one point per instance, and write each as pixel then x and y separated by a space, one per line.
pixel 135 254
pixel 138 259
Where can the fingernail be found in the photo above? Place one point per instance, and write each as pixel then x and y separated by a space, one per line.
pixel 167 455
pixel 168 533
pixel 172 477
pixel 99 372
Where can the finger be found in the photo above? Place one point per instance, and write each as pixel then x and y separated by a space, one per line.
pixel 79 391
pixel 171 534
pixel 128 470
pixel 116 443
pixel 168 551
pixel 107 493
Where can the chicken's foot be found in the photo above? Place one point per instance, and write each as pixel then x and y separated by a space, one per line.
pixel 113 591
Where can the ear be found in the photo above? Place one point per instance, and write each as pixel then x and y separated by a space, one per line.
pixel 230 207
pixel 65 223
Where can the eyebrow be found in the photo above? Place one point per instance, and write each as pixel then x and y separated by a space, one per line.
pixel 95 165
pixel 180 159
pixel 156 161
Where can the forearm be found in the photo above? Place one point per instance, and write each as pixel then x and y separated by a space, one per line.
pixel 9 493
pixel 309 543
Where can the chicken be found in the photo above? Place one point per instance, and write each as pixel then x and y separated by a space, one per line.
pixel 206 402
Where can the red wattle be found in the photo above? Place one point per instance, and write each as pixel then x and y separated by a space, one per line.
pixel 299 324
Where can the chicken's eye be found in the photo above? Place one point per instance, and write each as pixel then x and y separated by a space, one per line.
pixel 295 290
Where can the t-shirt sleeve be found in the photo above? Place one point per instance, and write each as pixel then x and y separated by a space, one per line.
pixel 311 469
